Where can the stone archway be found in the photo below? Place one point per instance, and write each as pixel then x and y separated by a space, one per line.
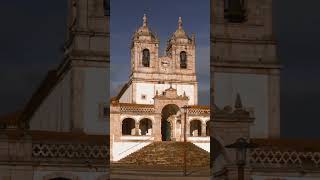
pixel 195 128
pixel 167 113
pixel 60 176
pixel 145 126
pixel 207 128
pixel 128 126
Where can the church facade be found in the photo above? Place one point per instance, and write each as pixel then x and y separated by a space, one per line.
pixel 159 102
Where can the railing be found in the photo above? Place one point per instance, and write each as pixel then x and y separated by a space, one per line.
pixel 284 158
pixel 144 109
pixel 70 151
pixel 198 111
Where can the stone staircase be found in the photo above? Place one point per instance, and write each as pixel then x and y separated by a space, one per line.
pixel 169 155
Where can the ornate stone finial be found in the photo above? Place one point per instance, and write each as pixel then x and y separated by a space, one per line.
pixel 180 23
pixel 193 37
pixel 184 94
pixel 144 20
pixel 238 103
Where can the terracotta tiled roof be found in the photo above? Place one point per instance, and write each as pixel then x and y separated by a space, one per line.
pixel 10 119
pixel 301 145
pixel 199 107
pixel 136 105
pixel 50 136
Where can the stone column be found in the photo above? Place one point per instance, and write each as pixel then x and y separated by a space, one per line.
pixel 188 129
pixel 137 128
pixel 203 129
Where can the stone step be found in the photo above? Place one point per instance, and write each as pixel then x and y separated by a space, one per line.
pixel 168 154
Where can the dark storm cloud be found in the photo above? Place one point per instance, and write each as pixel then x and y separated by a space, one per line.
pixel 297 26
pixel 32 33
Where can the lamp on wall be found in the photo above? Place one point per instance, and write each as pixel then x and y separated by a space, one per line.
pixel 241 146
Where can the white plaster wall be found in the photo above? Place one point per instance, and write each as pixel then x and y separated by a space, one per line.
pixel 127 95
pixel 149 89
pixel 253 90
pixel 95 93
pixel 123 149
pixel 205 146
pixel 54 112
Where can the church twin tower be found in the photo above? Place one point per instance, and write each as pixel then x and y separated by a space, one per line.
pixel 152 73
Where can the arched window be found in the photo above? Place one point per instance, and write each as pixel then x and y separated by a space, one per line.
pixel 235 10
pixel 106 5
pixel 145 126
pixel 128 126
pixel 183 60
pixel 146 58
pixel 195 128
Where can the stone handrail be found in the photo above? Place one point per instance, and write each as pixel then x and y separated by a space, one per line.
pixel 261 157
pixel 198 111
pixel 53 146
pixel 136 108
pixel 69 151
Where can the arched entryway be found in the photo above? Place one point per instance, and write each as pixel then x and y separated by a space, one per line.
pixel 128 126
pixel 166 125
pixel 207 128
pixel 195 128
pixel 145 126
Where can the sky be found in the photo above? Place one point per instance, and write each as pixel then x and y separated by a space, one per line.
pixel 162 20
pixel 33 32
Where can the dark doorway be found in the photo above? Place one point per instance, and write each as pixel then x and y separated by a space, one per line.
pixel 128 125
pixel 145 126
pixel 166 129
pixel 195 128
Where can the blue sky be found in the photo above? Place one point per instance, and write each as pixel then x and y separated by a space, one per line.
pixel 126 17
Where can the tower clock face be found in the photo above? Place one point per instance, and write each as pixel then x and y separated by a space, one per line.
pixel 165 63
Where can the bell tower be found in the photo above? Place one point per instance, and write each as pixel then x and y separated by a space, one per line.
pixel 181 49
pixel 244 61
pixel 85 64
pixel 144 50
pixel 152 73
